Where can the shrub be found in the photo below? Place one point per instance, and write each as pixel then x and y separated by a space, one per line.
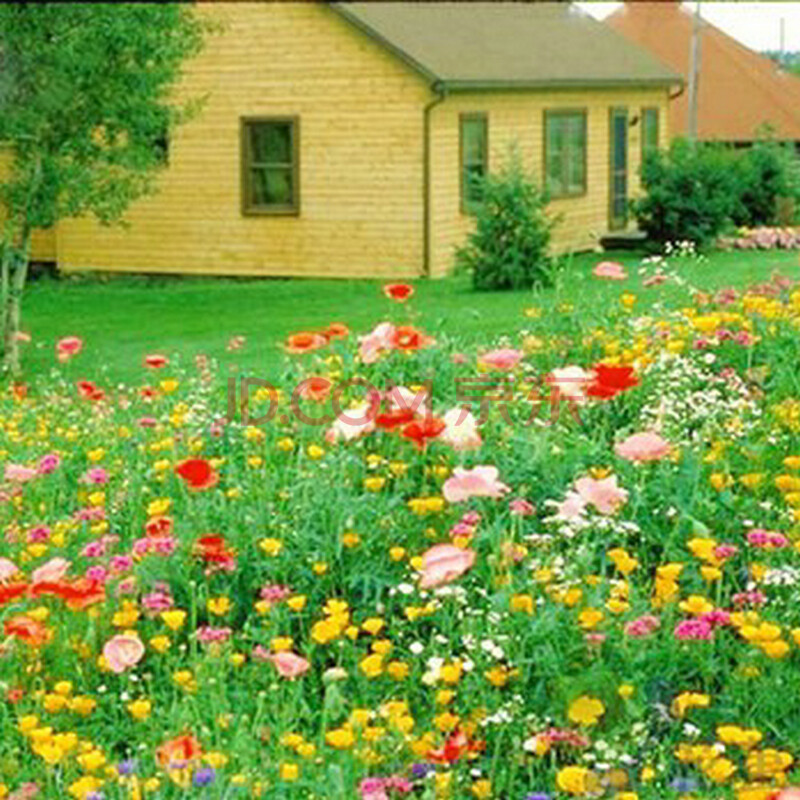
pixel 508 248
pixel 691 193
pixel 768 179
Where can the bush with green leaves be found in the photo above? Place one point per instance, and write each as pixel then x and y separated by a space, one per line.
pixel 509 247
pixel 768 173
pixel 691 193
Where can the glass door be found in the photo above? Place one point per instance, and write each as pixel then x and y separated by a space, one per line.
pixel 618 179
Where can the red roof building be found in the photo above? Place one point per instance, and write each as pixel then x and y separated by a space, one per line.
pixel 740 91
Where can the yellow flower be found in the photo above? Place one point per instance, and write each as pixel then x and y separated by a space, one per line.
pixel 589 618
pixel 372 665
pixel 398 670
pixel 289 771
pixel 350 539
pixel 626 691
pixel 574 780
pixel 296 602
pixel 522 603
pixel 374 483
pixel 482 789
pixel 585 710
pixel 340 738
pixel 173 619
pixel 686 700
pixel 315 452
pixel 719 769
pixel 219 606
pixel 271 546
pixel 696 604
pixel 139 709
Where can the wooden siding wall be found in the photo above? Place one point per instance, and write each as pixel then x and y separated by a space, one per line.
pixel 517 118
pixel 361 121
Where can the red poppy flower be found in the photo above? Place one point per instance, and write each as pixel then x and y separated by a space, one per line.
pixel 158 526
pixel 395 418
pixel 458 744
pixel 11 592
pixel 408 338
pixel 148 392
pixel 28 630
pixel 19 390
pixel 90 391
pixel 197 473
pixel 610 381
pixel 179 750
pixel 213 549
pixel 314 388
pixel 337 330
pixel 77 594
pixel 305 342
pixel 400 292
pixel 156 361
pixel 420 431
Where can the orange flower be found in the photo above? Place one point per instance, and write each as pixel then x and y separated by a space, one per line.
pixel 314 388
pixel 337 330
pixel 305 342
pixel 408 338
pixel 156 361
pixel 28 630
pixel 179 750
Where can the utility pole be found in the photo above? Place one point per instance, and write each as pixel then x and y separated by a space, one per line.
pixel 783 42
pixel 694 73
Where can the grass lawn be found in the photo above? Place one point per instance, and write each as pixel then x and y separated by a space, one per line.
pixel 124 317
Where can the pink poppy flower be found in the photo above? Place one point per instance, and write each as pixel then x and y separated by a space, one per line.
pixel 569 383
pixel 520 507
pixel 610 270
pixel 504 359
pixel 642 626
pixel 48 463
pixel 603 494
pixel 643 447
pixel 570 508
pixel 18 473
pixel 51 572
pixel 790 793
pixel 694 629
pixel 443 563
pixel 123 652
pixel 7 569
pixel 68 347
pixel 460 430
pixel 289 665
pixel 476 482
pixel 380 340
pixel 353 422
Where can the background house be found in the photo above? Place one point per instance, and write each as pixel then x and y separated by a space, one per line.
pixel 339 139
pixel 739 90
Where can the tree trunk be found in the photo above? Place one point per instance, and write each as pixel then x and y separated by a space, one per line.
pixel 15 273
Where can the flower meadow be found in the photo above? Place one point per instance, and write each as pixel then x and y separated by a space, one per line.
pixel 565 563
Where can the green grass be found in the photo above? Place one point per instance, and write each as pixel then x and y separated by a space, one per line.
pixel 124 317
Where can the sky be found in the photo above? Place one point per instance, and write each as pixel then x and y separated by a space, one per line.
pixel 756 25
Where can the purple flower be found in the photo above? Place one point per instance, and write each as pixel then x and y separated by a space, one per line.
pixel 127 767
pixel 420 770
pixel 204 776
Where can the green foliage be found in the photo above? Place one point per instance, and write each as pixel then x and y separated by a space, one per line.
pixel 766 172
pixel 691 193
pixel 694 193
pixel 85 101
pixel 508 248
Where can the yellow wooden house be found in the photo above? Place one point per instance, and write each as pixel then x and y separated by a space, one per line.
pixel 339 139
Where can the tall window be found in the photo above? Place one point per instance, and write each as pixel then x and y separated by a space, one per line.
pixel 270 166
pixel 474 152
pixel 649 131
pixel 565 153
